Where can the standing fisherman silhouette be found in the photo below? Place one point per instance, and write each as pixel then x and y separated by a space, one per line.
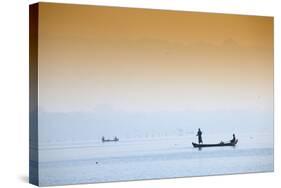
pixel 199 134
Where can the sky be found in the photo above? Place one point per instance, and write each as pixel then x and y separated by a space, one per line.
pixel 117 67
pixel 142 60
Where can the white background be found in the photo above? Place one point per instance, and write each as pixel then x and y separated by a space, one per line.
pixel 14 91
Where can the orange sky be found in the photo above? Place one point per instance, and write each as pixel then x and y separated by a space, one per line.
pixel 153 60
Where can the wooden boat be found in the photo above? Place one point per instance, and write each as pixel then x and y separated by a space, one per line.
pixel 110 140
pixel 215 145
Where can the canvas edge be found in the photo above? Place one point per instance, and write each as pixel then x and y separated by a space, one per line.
pixel 33 94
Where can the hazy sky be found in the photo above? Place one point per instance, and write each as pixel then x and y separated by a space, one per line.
pixel 135 60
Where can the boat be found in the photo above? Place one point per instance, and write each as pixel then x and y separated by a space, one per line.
pixel 215 145
pixel 110 140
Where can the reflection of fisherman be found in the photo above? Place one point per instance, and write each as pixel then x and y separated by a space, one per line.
pixel 199 134
pixel 233 138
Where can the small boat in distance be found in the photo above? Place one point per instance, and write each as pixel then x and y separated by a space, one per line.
pixel 215 145
pixel 110 140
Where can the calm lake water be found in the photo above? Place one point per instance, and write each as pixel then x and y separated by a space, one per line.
pixel 151 158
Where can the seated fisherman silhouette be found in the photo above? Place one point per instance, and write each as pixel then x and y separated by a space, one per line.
pixel 233 138
pixel 199 134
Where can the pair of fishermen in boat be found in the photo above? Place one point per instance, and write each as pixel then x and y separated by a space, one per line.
pixel 200 141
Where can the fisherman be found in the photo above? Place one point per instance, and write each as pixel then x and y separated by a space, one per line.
pixel 199 134
pixel 233 139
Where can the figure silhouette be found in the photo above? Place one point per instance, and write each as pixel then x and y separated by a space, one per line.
pixel 199 134
pixel 233 138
